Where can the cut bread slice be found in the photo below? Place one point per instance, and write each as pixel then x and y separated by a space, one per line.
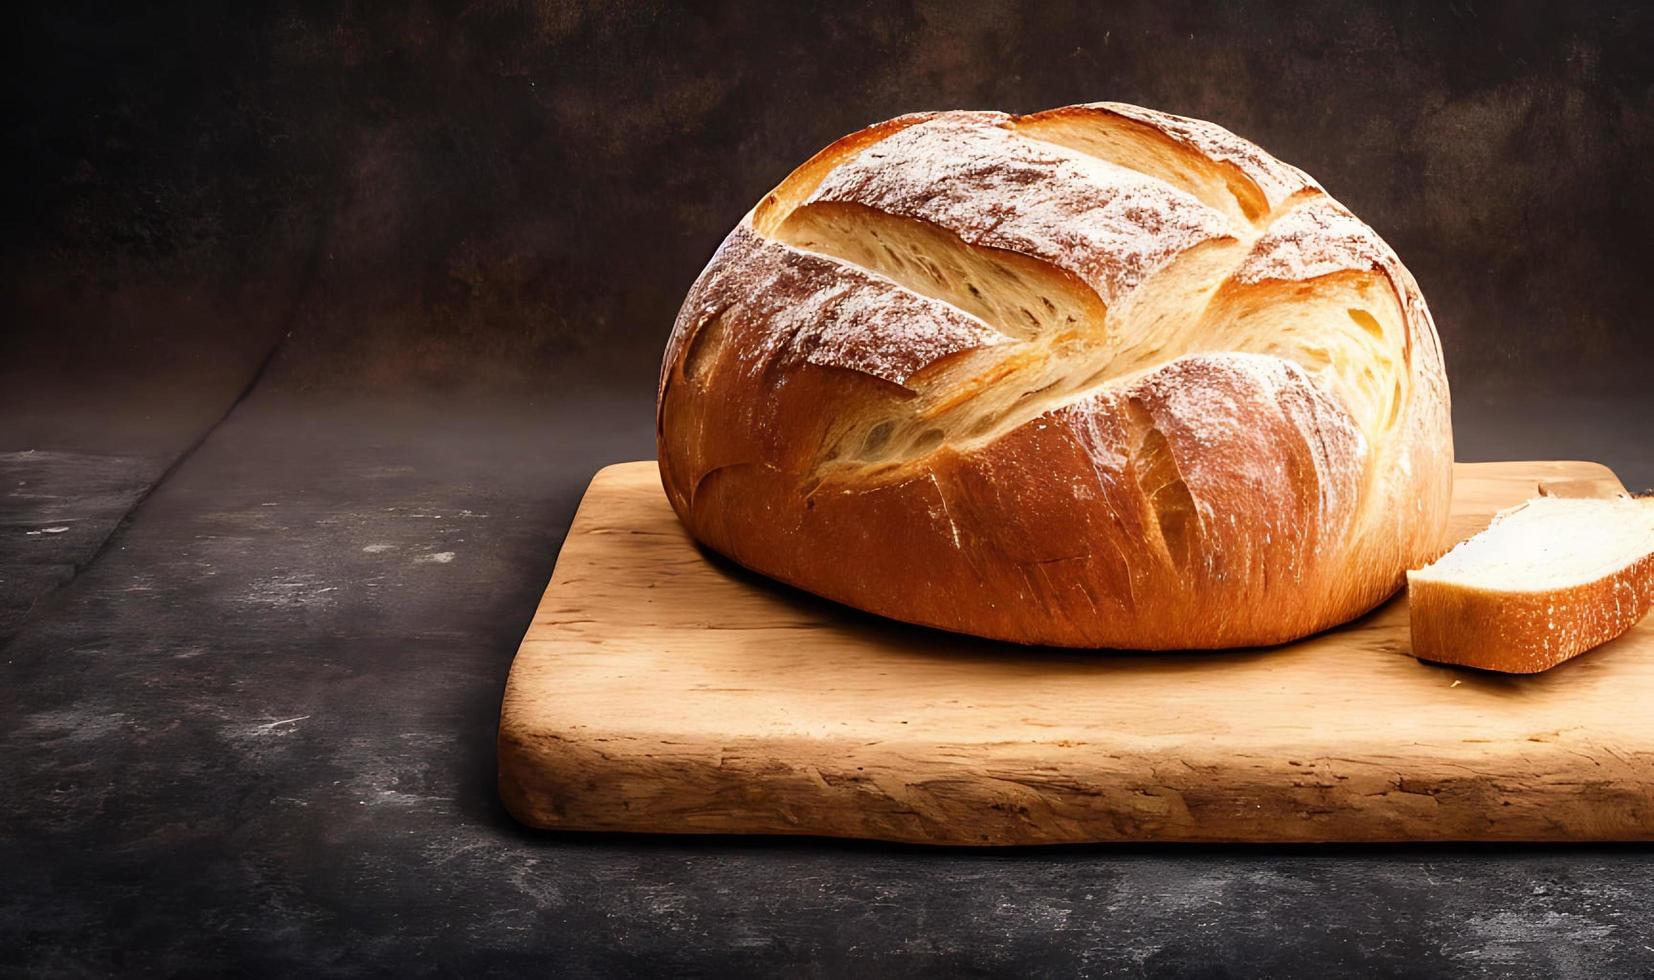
pixel 1548 580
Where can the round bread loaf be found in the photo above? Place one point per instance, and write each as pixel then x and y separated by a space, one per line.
pixel 1094 377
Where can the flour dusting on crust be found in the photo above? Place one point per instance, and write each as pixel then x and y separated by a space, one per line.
pixel 820 310
pixel 1224 392
pixel 967 172
pixel 1316 238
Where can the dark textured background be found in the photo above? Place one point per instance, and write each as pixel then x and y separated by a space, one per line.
pixel 297 302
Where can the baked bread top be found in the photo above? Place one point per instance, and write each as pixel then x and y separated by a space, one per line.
pixel 1098 376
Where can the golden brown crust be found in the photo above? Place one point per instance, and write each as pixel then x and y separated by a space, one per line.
pixel 901 406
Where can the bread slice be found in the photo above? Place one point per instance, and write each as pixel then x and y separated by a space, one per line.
pixel 1548 580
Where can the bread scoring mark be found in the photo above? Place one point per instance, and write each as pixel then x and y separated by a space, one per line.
pixel 1155 469
pixel 1310 325
pixel 798 306
pixel 1316 244
pixel 1109 226
pixel 705 344
pixel 1278 181
pixel 1101 132
pixel 1020 296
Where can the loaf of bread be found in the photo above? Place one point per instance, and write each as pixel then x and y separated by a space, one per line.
pixel 1094 377
pixel 1548 580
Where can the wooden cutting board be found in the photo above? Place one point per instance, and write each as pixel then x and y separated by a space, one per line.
pixel 663 689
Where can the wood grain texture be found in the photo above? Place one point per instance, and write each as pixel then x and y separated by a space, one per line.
pixel 661 689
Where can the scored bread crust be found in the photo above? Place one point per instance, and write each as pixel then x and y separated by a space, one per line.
pixel 1094 377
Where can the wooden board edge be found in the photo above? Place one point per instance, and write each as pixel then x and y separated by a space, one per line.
pixel 538 770
pixel 657 784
